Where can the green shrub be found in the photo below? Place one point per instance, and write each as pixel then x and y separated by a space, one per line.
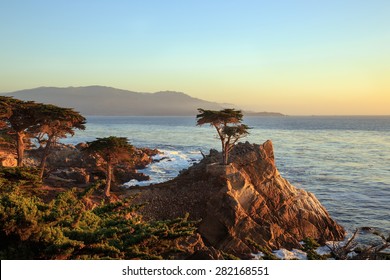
pixel 66 229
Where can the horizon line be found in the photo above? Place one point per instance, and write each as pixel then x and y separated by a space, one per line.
pixel 248 111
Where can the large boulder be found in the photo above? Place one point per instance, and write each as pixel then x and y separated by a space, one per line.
pixel 241 204
pixel 256 204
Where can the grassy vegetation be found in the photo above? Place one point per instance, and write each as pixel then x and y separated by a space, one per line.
pixel 267 253
pixel 309 246
pixel 68 228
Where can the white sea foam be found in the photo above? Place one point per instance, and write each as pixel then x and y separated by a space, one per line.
pixel 296 254
pixel 290 255
pixel 323 250
pixel 257 256
pixel 166 166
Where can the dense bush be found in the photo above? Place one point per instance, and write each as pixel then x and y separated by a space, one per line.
pixel 65 228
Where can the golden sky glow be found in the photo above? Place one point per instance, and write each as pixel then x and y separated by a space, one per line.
pixel 294 57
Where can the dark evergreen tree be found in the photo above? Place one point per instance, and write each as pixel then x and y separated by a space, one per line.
pixel 18 116
pixel 113 150
pixel 227 123
pixel 54 123
pixel 48 123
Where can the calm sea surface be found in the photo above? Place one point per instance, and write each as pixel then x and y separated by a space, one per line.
pixel 344 161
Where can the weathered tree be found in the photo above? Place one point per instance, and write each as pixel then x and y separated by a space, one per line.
pixel 5 110
pixel 18 117
pixel 28 119
pixel 228 123
pixel 113 150
pixel 54 123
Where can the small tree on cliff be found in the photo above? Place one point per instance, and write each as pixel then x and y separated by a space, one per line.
pixel 55 123
pixel 113 150
pixel 228 124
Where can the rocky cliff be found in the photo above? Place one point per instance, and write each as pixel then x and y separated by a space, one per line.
pixel 241 204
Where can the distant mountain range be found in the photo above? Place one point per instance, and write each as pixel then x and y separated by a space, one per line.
pixel 99 100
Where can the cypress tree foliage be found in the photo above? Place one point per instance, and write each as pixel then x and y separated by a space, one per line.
pixel 48 123
pixel 227 123
pixel 66 228
pixel 113 150
pixel 18 116
pixel 52 124
pixel 5 110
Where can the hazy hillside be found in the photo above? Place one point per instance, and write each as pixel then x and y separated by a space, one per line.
pixel 99 100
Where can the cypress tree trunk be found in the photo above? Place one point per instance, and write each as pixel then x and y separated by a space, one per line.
pixel 226 154
pixel 45 155
pixel 219 131
pixel 223 153
pixel 108 180
pixel 20 147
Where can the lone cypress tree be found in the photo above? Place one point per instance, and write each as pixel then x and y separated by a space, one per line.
pixel 113 150
pixel 228 124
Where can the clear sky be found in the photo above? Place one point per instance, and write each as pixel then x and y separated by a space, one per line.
pixel 295 57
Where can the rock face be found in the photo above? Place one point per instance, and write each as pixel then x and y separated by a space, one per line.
pixel 256 203
pixel 7 159
pixel 243 203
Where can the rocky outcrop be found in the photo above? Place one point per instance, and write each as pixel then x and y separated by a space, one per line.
pixel 67 164
pixel 244 203
pixel 256 203
pixel 7 159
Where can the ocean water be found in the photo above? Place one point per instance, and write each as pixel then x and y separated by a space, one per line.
pixel 344 161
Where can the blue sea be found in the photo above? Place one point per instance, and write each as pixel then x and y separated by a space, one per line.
pixel 344 161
